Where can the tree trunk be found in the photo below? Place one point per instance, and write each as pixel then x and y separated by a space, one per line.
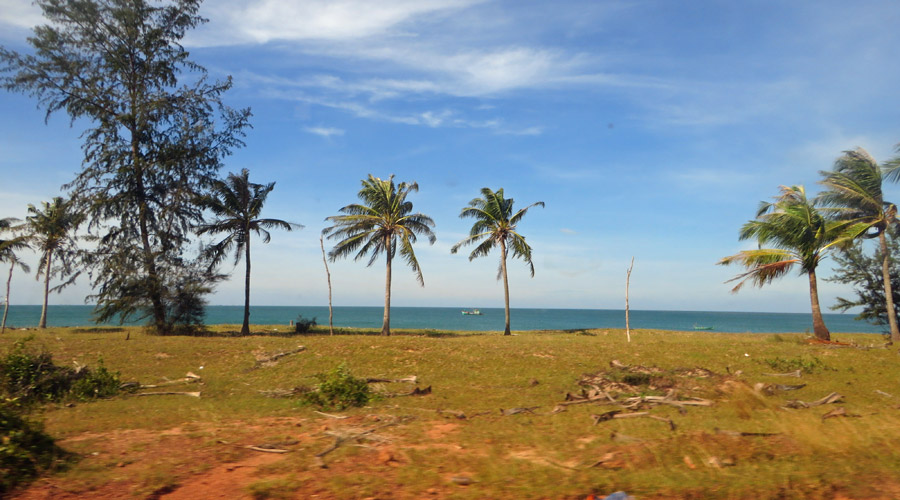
pixel 6 308
pixel 155 292
pixel 819 328
pixel 888 291
pixel 245 327
pixel 627 283
pixel 328 275
pixel 386 325
pixel 43 323
pixel 505 284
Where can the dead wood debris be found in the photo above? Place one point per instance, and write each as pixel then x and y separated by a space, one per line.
pixel 354 435
pixel 263 359
pixel 189 378
pixel 797 373
pixel 839 412
pixel 745 434
pixel 771 389
pixel 192 394
pixel 412 379
pixel 829 399
pixel 515 411
pixel 617 414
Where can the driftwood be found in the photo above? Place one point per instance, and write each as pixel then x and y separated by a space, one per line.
pixel 192 394
pixel 266 450
pixel 264 360
pixel 665 400
pixel 885 394
pixel 412 379
pixel 829 399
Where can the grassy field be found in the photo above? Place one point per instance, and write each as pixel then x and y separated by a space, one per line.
pixel 457 443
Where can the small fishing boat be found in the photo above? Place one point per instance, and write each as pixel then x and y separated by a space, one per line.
pixel 472 312
pixel 699 327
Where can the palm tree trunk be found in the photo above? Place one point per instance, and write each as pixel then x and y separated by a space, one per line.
pixel 43 323
pixel 386 325
pixel 245 327
pixel 6 308
pixel 819 328
pixel 888 291
pixel 505 284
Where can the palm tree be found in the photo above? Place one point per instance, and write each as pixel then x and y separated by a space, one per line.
pixel 380 224
pixel 237 203
pixel 51 230
pixel 799 235
pixel 495 224
pixel 8 249
pixel 855 194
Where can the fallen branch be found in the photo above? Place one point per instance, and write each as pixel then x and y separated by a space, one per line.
pixel 796 373
pixel 192 394
pixel 339 417
pixel 340 439
pixel 412 379
pixel 616 414
pixel 190 378
pixel 272 358
pixel 745 434
pixel 839 412
pixel 266 450
pixel 829 399
pixel 516 411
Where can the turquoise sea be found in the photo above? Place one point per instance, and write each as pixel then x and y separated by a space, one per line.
pixel 451 318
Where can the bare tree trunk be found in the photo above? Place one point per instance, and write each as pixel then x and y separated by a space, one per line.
pixel 6 308
pixel 328 274
pixel 888 291
pixel 627 283
pixel 505 284
pixel 819 328
pixel 386 325
pixel 245 328
pixel 42 324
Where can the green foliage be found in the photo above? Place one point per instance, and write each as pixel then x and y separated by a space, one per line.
pixel 806 365
pixel 29 377
pixel 339 390
pixel 156 134
pixel 25 450
pixel 303 325
pixel 862 270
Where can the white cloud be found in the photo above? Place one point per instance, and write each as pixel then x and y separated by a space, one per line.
pixel 267 20
pixel 20 13
pixel 325 132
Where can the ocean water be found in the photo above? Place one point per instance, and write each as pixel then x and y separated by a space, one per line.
pixel 451 318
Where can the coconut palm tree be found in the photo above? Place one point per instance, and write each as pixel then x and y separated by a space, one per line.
pixel 797 235
pixel 51 231
pixel 8 249
pixel 237 203
pixel 383 223
pixel 854 193
pixel 495 225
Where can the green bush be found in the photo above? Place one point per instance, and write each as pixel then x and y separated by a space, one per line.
pixel 303 325
pixel 799 363
pixel 30 377
pixel 25 450
pixel 339 390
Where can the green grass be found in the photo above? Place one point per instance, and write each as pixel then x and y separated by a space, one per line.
pixel 523 456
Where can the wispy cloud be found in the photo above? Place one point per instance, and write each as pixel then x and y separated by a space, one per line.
pixel 325 132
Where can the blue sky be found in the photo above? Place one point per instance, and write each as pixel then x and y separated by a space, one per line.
pixel 650 129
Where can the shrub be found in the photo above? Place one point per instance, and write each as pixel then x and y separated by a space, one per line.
pixel 25 450
pixel 799 363
pixel 303 325
pixel 339 390
pixel 30 378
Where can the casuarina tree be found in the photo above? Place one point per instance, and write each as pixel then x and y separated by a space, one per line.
pixel 156 134
pixel 383 223
pixel 237 203
pixel 496 226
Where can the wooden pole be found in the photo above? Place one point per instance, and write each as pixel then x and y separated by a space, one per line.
pixel 327 273
pixel 627 284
